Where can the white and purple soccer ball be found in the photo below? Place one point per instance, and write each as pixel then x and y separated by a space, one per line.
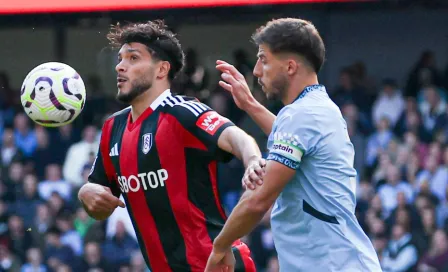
pixel 53 94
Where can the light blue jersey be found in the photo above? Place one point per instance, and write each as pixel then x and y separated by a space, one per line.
pixel 313 220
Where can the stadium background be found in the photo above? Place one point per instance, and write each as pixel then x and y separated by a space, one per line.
pixel 384 59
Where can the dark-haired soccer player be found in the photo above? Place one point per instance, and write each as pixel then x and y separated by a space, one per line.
pixel 161 154
pixel 309 177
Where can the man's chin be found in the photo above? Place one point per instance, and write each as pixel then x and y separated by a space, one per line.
pixel 268 94
pixel 272 96
pixel 123 97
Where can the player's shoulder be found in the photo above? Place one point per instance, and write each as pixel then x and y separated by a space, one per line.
pixel 301 116
pixel 119 115
pixel 295 112
pixel 184 106
pixel 309 108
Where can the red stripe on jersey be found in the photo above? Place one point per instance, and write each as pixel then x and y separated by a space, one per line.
pixel 190 141
pixel 249 265
pixel 202 236
pixel 104 148
pixel 137 201
pixel 213 168
pixel 201 244
pixel 192 223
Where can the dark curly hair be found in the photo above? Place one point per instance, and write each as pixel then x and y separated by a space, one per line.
pixel 161 43
pixel 290 35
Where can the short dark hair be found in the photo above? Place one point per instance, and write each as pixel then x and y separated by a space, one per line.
pixel 161 42
pixel 290 35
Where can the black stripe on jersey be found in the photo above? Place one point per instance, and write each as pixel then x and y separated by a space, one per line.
pixel 239 263
pixel 178 98
pixel 200 190
pixel 159 204
pixel 124 111
pixel 116 136
pixel 172 100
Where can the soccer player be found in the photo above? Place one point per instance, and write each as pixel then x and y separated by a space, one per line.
pixel 309 173
pixel 161 155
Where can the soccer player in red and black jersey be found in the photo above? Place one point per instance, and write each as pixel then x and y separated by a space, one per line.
pixel 161 155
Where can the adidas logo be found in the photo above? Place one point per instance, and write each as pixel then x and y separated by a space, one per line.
pixel 114 150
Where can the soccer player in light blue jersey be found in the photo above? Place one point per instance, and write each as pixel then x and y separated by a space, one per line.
pixel 309 175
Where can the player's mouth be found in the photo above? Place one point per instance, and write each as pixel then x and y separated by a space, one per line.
pixel 121 80
pixel 261 84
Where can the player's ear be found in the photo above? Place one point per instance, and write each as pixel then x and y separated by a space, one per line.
pixel 292 66
pixel 163 68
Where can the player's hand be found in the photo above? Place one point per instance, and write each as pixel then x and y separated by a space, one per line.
pixel 234 82
pixel 254 173
pixel 221 261
pixel 99 200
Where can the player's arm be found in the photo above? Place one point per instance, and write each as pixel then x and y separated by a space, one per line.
pixel 221 138
pixel 236 84
pixel 291 141
pixel 253 205
pixel 234 140
pixel 100 196
pixel 98 201
pixel 261 115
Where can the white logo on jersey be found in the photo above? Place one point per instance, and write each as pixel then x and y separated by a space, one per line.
pixel 114 150
pixel 147 143
pixel 210 122
pixel 150 180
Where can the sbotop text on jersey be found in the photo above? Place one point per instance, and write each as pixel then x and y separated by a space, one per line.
pixel 150 180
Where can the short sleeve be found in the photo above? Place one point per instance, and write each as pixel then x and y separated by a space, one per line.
pixel 292 138
pixel 98 174
pixel 206 125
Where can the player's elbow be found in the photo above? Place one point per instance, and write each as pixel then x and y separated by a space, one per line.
pixel 257 205
pixel 235 140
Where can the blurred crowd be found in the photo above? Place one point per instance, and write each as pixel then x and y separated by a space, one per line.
pixel 400 134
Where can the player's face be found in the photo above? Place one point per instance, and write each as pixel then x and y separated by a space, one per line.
pixel 135 71
pixel 270 73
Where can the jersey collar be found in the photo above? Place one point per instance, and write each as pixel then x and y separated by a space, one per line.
pixel 310 88
pixel 154 105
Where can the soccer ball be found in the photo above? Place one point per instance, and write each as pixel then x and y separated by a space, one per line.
pixel 53 94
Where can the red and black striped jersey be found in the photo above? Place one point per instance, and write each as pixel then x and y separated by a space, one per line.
pixel 164 164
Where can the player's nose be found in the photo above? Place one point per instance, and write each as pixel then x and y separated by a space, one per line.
pixel 120 67
pixel 257 69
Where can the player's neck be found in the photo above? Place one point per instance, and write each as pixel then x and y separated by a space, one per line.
pixel 297 86
pixel 141 103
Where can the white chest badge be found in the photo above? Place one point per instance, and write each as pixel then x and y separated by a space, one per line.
pixel 147 143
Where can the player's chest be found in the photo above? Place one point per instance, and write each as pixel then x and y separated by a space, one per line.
pixel 146 148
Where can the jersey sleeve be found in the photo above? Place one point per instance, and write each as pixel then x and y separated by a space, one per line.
pixel 206 125
pixel 98 173
pixel 294 135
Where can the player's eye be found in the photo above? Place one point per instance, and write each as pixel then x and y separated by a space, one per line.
pixel 134 57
